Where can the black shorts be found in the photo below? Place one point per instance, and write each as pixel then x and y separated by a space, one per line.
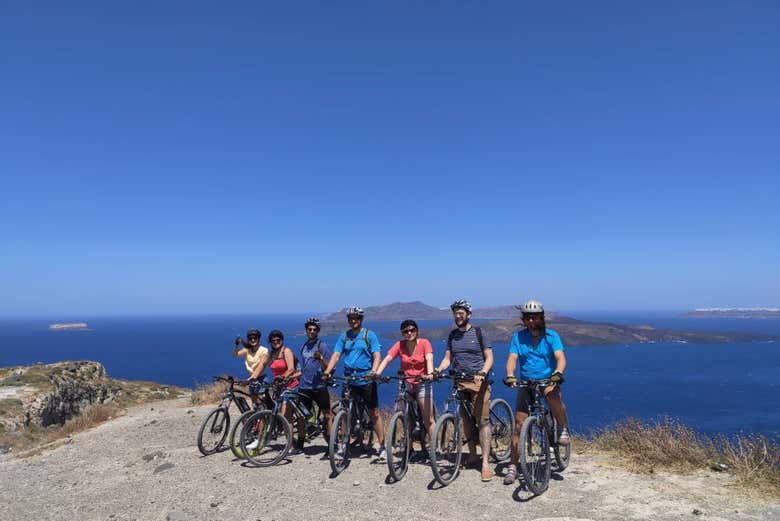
pixel 525 399
pixel 368 393
pixel 319 396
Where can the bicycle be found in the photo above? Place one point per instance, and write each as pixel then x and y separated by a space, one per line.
pixel 256 388
pixel 351 420
pixel 538 434
pixel 446 445
pixel 405 425
pixel 271 430
pixel 215 426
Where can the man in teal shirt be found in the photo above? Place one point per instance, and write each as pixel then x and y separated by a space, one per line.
pixel 539 353
pixel 362 355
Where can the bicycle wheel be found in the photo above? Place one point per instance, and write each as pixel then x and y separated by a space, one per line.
pixel 338 446
pixel 397 445
pixel 534 455
pixel 445 452
pixel 266 438
pixel 213 431
pixel 235 434
pixel 502 426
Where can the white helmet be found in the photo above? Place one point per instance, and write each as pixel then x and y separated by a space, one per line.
pixel 532 306
pixel 354 310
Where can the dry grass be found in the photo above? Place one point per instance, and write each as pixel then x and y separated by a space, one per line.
pixel 668 445
pixel 209 393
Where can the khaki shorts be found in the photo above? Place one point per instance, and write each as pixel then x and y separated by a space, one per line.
pixel 480 398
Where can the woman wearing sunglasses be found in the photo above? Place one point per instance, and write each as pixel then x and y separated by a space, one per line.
pixel 416 360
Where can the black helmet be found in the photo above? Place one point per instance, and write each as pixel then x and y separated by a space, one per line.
pixel 253 332
pixel 407 323
pixel 275 334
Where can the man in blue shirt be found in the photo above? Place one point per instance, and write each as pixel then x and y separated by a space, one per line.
pixel 362 355
pixel 539 352
pixel 314 354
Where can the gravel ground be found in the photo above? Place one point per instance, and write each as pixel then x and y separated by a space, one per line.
pixel 146 466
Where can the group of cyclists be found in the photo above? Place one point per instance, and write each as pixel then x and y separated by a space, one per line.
pixel 536 352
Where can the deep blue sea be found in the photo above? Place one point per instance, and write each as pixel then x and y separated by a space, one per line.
pixel 719 388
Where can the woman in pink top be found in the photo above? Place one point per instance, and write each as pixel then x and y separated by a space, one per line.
pixel 416 360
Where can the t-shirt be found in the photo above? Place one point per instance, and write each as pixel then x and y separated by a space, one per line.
pixel 311 369
pixel 414 364
pixel 538 362
pixel 466 353
pixel 357 355
pixel 252 360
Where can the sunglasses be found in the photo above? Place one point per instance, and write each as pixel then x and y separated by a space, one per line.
pixel 275 340
pixel 409 331
pixel 312 329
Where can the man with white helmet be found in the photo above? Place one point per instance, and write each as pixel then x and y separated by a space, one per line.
pixel 362 356
pixel 470 352
pixel 539 351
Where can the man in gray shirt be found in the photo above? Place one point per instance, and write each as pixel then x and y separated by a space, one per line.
pixel 469 351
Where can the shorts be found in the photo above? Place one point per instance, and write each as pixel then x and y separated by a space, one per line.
pixel 319 396
pixel 525 399
pixel 479 395
pixel 368 393
pixel 421 391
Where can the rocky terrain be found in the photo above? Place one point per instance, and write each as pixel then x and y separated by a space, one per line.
pixel 37 399
pixel 145 466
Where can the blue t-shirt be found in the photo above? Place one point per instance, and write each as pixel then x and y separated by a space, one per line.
pixel 311 369
pixel 538 362
pixel 357 355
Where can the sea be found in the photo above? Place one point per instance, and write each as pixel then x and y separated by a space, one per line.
pixel 724 389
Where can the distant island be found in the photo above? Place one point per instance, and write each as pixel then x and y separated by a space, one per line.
pixel 500 322
pixel 72 326
pixel 735 312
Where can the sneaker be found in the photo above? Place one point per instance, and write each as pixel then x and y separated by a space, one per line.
pixel 253 445
pixel 511 475
pixel 297 448
pixel 564 438
pixel 382 455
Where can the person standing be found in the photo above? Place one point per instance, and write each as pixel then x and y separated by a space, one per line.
pixel 362 355
pixel 314 356
pixel 539 354
pixel 468 351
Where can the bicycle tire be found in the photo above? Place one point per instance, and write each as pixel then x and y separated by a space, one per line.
pixel 446 449
pixel 274 436
pixel 215 426
pixel 397 445
pixel 534 449
pixel 235 434
pixel 502 426
pixel 338 445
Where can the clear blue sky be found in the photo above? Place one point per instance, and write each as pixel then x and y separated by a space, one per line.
pixel 177 157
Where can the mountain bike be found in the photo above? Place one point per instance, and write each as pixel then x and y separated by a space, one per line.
pixel 538 435
pixel 262 400
pixel 216 425
pixel 447 443
pixel 406 425
pixel 352 425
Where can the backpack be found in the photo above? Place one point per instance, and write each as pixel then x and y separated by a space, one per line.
pixel 365 338
pixel 477 330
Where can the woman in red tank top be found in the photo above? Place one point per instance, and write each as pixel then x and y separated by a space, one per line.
pixel 283 365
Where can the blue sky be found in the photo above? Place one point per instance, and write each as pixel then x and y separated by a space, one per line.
pixel 192 157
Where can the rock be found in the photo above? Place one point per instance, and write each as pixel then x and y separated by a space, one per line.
pixel 163 468
pixel 74 387
pixel 696 512
pixel 355 483
pixel 214 504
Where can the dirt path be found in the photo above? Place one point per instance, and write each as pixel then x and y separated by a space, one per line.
pixel 146 466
